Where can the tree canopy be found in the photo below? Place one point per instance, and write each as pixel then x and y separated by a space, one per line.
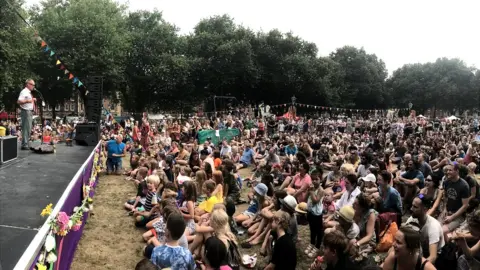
pixel 153 67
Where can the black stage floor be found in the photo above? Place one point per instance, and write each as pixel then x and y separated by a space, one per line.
pixel 27 185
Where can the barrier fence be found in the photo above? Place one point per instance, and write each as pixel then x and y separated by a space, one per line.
pixel 72 197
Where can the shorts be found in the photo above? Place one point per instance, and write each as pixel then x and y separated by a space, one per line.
pixel 248 213
pixel 191 226
pixel 114 165
pixel 454 224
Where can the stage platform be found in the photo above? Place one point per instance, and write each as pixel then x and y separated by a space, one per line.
pixel 27 185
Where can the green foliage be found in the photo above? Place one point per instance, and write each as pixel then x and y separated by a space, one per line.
pixel 143 57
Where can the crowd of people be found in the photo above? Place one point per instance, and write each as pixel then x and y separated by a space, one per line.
pixel 375 192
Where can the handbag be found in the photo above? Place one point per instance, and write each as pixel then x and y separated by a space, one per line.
pixel 387 237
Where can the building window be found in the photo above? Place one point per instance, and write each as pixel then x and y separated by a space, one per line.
pixel 66 107
pixel 57 108
pixel 72 107
pixel 49 108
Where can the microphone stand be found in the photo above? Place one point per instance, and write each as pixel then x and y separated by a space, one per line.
pixel 43 105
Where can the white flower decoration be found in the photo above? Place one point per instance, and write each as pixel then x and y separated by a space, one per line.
pixel 50 243
pixel 51 257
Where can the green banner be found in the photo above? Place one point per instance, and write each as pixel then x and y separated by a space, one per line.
pixel 227 134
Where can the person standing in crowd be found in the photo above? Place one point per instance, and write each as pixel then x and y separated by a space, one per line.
pixel 26 102
pixel 116 151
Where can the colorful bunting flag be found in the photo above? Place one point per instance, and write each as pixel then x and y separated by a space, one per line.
pixel 47 49
pixel 66 71
pixel 52 53
pixel 58 62
pixel 43 44
pixel 62 67
pixel 71 76
pixel 75 80
pixel 80 83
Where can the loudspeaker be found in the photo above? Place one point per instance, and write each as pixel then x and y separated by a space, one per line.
pixel 94 99
pixel 87 134
pixel 8 149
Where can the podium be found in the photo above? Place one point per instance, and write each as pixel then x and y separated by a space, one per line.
pixel 8 149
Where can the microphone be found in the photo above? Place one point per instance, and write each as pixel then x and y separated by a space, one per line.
pixel 41 96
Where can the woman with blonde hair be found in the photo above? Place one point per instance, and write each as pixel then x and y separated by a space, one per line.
pixel 218 226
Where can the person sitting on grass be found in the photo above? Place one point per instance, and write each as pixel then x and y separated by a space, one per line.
pixel 215 256
pixel 218 225
pixel 171 254
pixel 207 205
pixel 335 244
pixel 284 251
pixel 143 217
pixel 249 216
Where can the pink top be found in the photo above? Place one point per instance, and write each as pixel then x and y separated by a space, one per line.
pixel 299 182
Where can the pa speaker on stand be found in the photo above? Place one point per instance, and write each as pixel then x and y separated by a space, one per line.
pixel 89 133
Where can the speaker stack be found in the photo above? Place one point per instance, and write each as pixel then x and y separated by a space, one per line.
pixel 89 133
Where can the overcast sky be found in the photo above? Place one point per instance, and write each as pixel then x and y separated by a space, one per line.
pixel 399 32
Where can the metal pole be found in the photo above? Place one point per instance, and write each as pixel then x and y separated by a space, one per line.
pixel 215 105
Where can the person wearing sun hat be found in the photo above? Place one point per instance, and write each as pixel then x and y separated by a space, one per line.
pixel 344 217
pixel 248 216
pixel 288 204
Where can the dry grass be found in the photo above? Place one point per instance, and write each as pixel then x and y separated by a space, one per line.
pixel 111 241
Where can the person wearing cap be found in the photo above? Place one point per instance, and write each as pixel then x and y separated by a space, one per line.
pixel 288 204
pixel 369 184
pixel 345 223
pixel 248 216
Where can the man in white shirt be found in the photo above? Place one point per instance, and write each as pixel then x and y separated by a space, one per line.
pixel 26 102
pixel 431 238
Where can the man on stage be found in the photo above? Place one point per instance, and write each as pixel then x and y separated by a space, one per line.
pixel 26 102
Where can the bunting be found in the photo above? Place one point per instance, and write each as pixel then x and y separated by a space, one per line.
pixel 59 63
pixel 301 105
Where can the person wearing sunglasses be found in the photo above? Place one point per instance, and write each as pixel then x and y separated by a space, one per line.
pixel 26 102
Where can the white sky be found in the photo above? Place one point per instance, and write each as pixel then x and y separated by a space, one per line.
pixel 399 32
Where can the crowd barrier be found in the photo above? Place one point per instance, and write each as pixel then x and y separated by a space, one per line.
pixel 71 198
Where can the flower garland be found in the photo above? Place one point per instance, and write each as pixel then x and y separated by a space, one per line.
pixel 62 224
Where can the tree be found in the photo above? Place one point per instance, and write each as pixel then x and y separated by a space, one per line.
pixel 89 36
pixel 365 76
pixel 445 84
pixel 153 61
pixel 16 47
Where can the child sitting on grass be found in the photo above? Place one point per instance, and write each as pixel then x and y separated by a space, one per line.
pixel 143 217
pixel 207 205
pixel 171 254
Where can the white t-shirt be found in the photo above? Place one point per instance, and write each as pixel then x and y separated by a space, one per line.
pixel 431 233
pixel 26 95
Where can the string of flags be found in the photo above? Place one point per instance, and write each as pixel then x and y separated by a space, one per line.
pixel 331 108
pixel 59 63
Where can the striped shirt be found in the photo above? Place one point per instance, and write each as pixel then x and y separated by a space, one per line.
pixel 148 201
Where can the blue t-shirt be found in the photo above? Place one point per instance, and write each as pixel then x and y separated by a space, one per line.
pixel 415 174
pixel 115 148
pixel 291 150
pixel 174 257
pixel 392 200
pixel 247 156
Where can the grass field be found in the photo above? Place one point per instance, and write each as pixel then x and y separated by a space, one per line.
pixel 111 241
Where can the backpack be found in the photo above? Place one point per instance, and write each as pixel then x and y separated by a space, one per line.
pixel 234 258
